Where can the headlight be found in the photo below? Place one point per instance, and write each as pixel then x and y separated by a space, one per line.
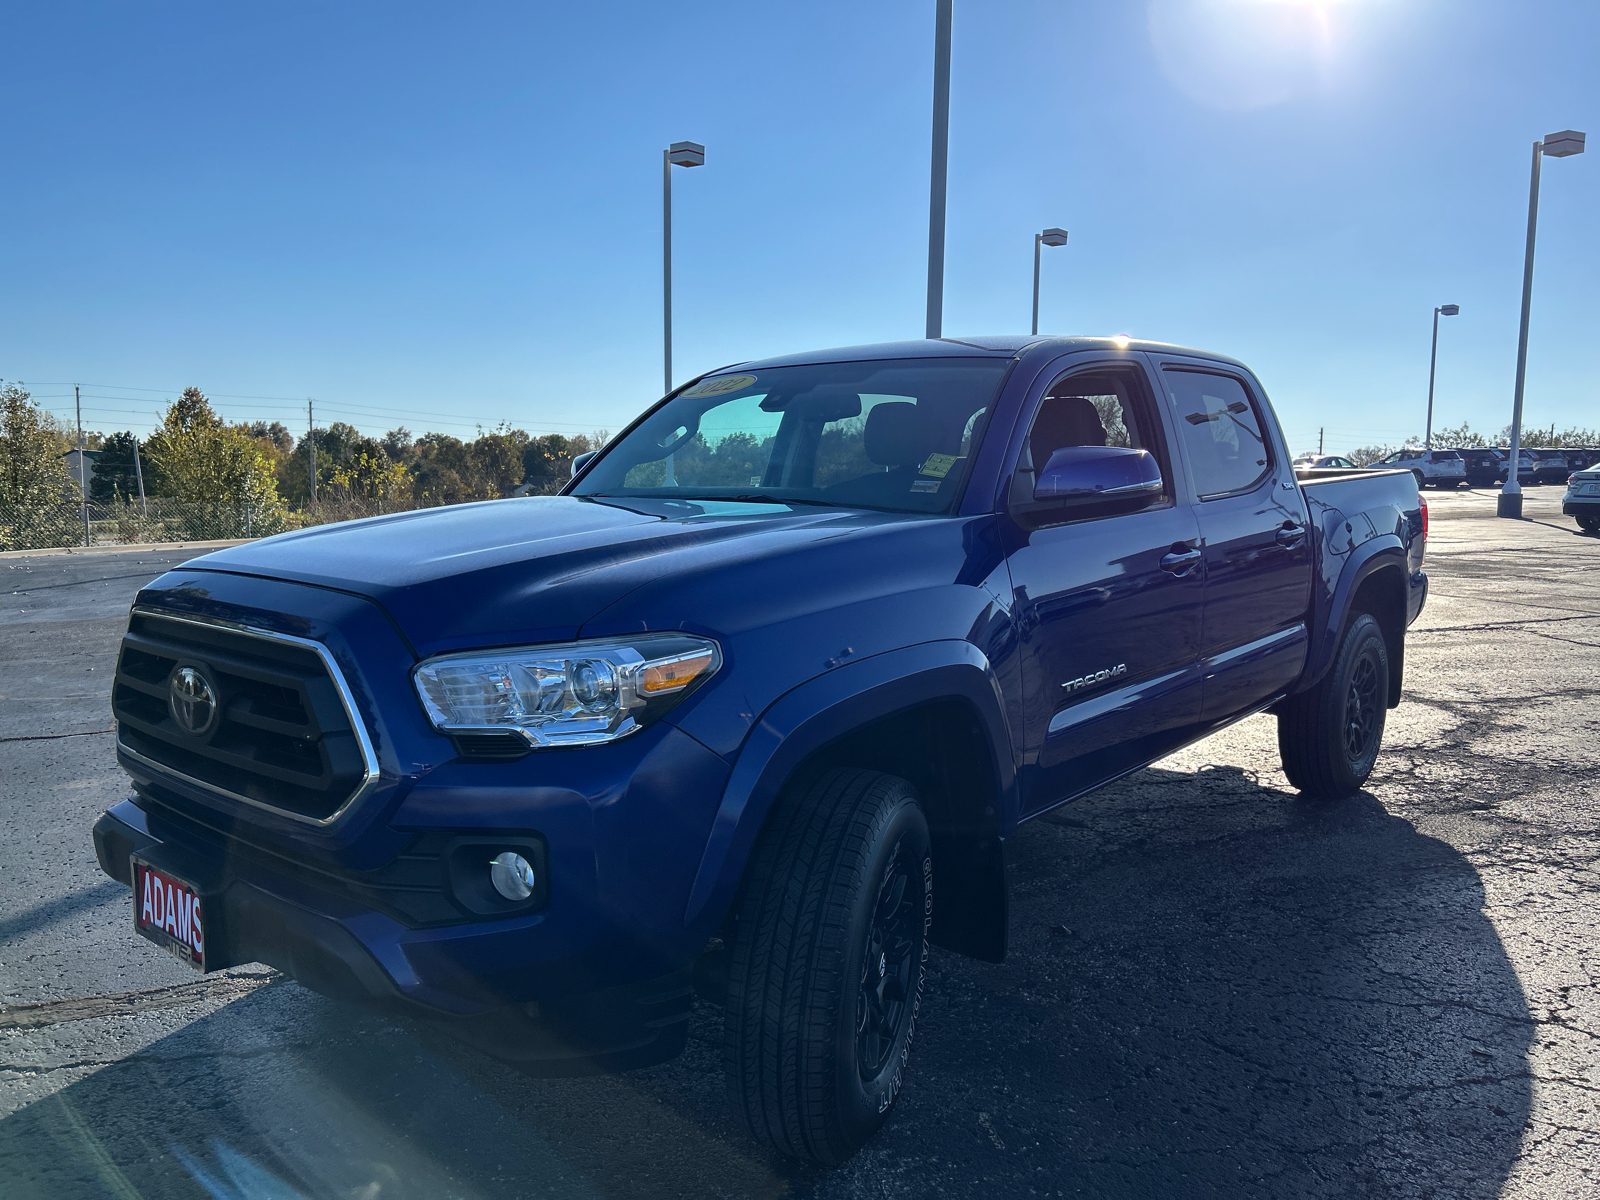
pixel 572 695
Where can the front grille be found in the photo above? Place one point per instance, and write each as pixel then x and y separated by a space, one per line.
pixel 280 736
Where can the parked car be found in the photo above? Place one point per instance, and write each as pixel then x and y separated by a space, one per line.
pixel 1439 468
pixel 1324 462
pixel 1583 499
pixel 753 705
pixel 1527 466
pixel 1481 466
pixel 1580 458
pixel 1550 465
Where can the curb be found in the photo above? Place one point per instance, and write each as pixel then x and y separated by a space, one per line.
pixel 123 548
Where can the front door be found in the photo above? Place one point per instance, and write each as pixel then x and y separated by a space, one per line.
pixel 1107 605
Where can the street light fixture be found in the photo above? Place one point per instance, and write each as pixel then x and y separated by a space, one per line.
pixel 1050 237
pixel 1443 310
pixel 1557 145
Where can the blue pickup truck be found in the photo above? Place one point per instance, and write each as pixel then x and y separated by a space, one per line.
pixel 752 707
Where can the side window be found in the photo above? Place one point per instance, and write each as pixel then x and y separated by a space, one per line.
pixel 1221 431
pixel 1090 409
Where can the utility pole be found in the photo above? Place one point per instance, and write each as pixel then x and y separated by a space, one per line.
pixel 138 471
pixel 941 166
pixel 311 443
pixel 83 463
pixel 1320 432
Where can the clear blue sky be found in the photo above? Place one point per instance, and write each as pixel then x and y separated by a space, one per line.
pixel 455 209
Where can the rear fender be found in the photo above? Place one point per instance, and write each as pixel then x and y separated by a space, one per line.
pixel 1332 608
pixel 824 710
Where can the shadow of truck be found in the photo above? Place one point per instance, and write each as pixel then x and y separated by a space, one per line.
pixel 1215 989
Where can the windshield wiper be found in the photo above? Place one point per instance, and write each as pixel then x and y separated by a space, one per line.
pixel 764 498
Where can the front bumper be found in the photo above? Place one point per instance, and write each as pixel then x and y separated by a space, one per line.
pixel 333 947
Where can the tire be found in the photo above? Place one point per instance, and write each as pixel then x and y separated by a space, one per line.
pixel 827 965
pixel 1422 480
pixel 1329 736
pixel 1589 524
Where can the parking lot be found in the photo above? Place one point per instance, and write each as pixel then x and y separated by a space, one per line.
pixel 1215 988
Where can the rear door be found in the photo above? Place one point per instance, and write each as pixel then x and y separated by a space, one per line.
pixel 1254 532
pixel 1107 604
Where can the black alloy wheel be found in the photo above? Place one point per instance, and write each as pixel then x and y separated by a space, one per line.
pixel 1362 722
pixel 894 945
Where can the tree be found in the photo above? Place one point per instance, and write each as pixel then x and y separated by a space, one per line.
pixel 1549 438
pixel 399 446
pixel 546 463
pixel 115 473
pixel 368 476
pixel 1461 437
pixel 497 458
pixel 38 502
pixel 224 477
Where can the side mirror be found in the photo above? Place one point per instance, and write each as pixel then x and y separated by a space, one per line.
pixel 1092 474
pixel 580 461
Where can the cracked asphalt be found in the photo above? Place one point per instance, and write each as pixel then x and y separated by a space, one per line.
pixel 1215 987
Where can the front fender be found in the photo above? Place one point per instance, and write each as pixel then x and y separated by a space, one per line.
pixel 822 710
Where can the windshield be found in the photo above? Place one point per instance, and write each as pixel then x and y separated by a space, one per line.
pixel 895 434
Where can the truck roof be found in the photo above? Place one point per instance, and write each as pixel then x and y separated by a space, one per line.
pixel 998 346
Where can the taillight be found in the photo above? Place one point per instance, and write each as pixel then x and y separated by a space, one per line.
pixel 1424 504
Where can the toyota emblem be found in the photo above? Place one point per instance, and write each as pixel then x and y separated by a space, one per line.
pixel 192 701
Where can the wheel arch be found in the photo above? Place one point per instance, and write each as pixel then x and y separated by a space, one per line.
pixel 1373 581
pixel 931 714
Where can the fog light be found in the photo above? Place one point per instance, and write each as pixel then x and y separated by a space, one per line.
pixel 512 875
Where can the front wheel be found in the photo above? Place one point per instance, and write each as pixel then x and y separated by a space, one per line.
pixel 827 965
pixel 1329 736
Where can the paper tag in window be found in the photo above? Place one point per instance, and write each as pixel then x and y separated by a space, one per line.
pixel 925 485
pixel 938 465
pixel 719 385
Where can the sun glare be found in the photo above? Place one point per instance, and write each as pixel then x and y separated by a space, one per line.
pixel 1244 54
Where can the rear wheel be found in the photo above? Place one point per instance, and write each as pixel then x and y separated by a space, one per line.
pixel 1422 480
pixel 1329 736
pixel 1589 524
pixel 827 965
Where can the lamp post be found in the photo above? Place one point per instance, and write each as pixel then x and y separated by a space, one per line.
pixel 941 166
pixel 1448 310
pixel 1557 145
pixel 1050 237
pixel 679 154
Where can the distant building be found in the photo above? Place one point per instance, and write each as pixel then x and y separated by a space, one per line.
pixel 75 461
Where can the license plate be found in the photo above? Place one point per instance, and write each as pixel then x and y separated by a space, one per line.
pixel 166 909
pixel 1590 489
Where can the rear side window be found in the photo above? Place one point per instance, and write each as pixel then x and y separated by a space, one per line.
pixel 1221 431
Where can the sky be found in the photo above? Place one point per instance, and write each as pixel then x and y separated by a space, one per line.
pixel 450 215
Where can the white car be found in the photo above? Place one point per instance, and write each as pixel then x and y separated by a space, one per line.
pixel 1320 462
pixel 1583 499
pixel 1550 466
pixel 1441 468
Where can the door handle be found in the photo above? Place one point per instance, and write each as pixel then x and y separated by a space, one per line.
pixel 1290 535
pixel 1181 560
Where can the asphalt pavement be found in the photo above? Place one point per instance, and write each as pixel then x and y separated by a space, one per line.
pixel 1215 988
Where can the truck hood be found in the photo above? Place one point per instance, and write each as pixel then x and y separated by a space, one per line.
pixel 533 569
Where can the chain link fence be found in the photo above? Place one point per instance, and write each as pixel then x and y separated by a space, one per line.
pixel 132 523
